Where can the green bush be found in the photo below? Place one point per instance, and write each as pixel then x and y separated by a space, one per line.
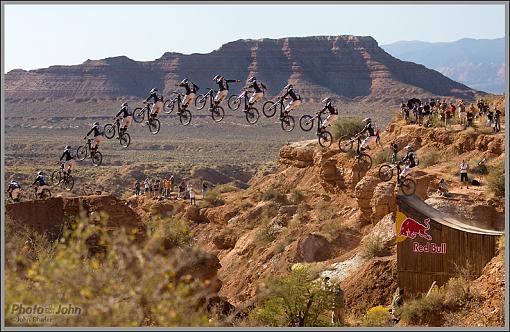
pixel 382 157
pixel 496 180
pixel 429 159
pixel 271 194
pixel 212 197
pixel 297 196
pixel 346 126
pixel 423 309
pixel 377 316
pixel 476 168
pixel 171 232
pixel 294 300
pixel 372 247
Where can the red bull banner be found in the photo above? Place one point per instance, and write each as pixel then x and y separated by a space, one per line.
pixel 409 228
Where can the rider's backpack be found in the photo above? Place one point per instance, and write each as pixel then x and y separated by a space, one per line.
pixel 195 87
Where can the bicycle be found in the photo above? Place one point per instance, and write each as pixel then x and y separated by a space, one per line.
pixel 83 151
pixel 44 194
pixel 139 115
pixel 407 185
pixel 251 112
pixel 217 112
pixel 269 110
pixel 184 114
pixel 364 160
pixel 324 136
pixel 111 128
pixel 61 177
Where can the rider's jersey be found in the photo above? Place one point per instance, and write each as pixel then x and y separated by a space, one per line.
pixel 292 94
pixel 156 96
pixel 40 180
pixel 369 128
pixel 332 110
pixel 411 157
pixel 125 111
pixel 189 87
pixel 14 185
pixel 223 83
pixel 67 155
pixel 258 87
pixel 98 131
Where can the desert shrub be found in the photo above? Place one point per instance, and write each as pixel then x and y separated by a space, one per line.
pixel 271 194
pixel 423 309
pixel 456 292
pixel 346 126
pixel 377 316
pixel 382 157
pixel 124 285
pixel 372 247
pixel 225 188
pixel 212 197
pixel 476 167
pixel 325 210
pixel 170 232
pixel 429 159
pixel 496 180
pixel 333 229
pixel 296 196
pixel 294 300
pixel 297 219
pixel 267 233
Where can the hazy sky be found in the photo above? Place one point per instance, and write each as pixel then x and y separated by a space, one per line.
pixel 38 36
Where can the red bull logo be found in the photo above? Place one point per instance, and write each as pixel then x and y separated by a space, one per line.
pixel 409 228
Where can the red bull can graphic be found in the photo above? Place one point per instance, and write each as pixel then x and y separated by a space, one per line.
pixel 409 228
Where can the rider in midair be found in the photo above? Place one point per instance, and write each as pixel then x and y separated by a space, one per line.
pixel 223 88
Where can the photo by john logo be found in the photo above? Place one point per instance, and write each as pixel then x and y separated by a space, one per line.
pixel 50 309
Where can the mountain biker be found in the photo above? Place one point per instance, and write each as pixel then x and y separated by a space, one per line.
pixel 191 90
pixel 258 88
pixel 223 88
pixel 14 190
pixel 157 105
pixel 127 117
pixel 333 113
pixel 410 159
pixel 372 136
pixel 69 161
pixel 98 136
pixel 40 183
pixel 296 98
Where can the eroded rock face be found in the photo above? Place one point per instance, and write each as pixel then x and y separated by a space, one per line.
pixel 364 192
pixel 313 248
pixel 299 154
pixel 383 200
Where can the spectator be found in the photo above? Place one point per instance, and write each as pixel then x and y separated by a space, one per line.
pixel 204 188
pixel 490 117
pixel 181 190
pixel 146 184
pixel 396 304
pixel 463 173
pixel 137 188
pixel 462 114
pixel 157 184
pixel 443 188
pixel 171 183
pixel 470 116
pixel 191 195
pixel 394 153
pixel 497 114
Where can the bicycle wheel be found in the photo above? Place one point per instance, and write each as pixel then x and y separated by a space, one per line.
pixel 125 140
pixel 364 162
pixel 81 152
pixel 109 131
pixel 200 101
pixel 168 106
pixel 185 117
pixel 345 144
pixel 234 103
pixel 154 126
pixel 269 109
pixel 45 194
pixel 138 114
pixel 218 114
pixel 97 158
pixel 56 177
pixel 306 122
pixel 408 187
pixel 325 139
pixel 288 123
pixel 68 183
pixel 252 115
pixel 385 172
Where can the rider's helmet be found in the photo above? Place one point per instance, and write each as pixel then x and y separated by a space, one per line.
pixel 95 124
pixel 216 78
pixel 154 90
pixel 289 86
pixel 124 105
pixel 367 120
pixel 184 81
pixel 67 147
pixel 409 147
pixel 327 101
pixel 252 79
pixel 40 173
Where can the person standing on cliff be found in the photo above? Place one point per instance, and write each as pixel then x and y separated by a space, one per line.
pixel 223 88
pixel 497 114
pixel 463 173
pixel 295 98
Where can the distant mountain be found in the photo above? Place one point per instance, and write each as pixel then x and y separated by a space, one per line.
pixel 478 63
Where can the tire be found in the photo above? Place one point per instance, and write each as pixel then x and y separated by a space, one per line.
pixel 305 123
pixel 385 172
pixel 56 177
pixel 138 114
pixel 234 103
pixel 109 131
pixel 185 117
pixel 125 140
pixel 364 162
pixel 345 144
pixel 408 187
pixel 154 126
pixel 269 109
pixel 325 139
pixel 200 102
pixel 68 183
pixel 168 106
pixel 288 123
pixel 218 114
pixel 97 158
pixel 81 152
pixel 252 115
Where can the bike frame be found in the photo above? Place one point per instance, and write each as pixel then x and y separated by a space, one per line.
pixel 178 99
